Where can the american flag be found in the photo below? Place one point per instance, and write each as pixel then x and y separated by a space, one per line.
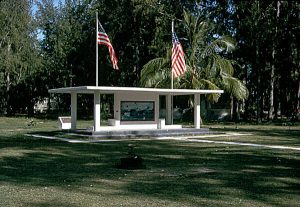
pixel 178 63
pixel 104 40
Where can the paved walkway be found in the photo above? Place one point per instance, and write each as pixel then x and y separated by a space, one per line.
pixel 199 139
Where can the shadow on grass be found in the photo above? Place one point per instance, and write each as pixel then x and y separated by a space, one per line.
pixel 216 172
pixel 51 204
pixel 194 174
pixel 279 134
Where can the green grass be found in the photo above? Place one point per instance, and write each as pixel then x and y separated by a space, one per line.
pixel 39 173
pixel 261 134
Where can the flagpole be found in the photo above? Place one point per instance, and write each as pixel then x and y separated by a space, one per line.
pixel 171 62
pixel 97 29
pixel 172 81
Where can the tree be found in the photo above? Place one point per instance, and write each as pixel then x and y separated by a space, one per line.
pixel 207 63
pixel 267 50
pixel 18 54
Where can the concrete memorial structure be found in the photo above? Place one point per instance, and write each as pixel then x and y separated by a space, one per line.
pixel 134 108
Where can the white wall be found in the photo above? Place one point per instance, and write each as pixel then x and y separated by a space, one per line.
pixel 136 96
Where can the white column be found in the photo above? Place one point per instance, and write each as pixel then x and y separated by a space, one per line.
pixel 197 111
pixel 168 109
pixel 73 110
pixel 156 109
pixel 97 115
pixel 117 112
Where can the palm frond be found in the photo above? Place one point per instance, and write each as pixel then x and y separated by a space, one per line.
pixel 152 71
pixel 227 67
pixel 225 43
pixel 219 45
pixel 235 87
pixel 214 97
pixel 160 79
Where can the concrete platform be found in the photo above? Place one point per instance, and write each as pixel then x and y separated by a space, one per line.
pixel 146 133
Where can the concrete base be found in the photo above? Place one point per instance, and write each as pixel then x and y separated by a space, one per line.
pixel 146 133
pixel 121 127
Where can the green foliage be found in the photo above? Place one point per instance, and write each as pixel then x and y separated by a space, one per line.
pixel 267 30
pixel 156 72
pixel 228 44
pixel 207 65
pixel 19 55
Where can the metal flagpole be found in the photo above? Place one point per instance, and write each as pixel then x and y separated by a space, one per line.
pixel 97 48
pixel 171 61
pixel 172 81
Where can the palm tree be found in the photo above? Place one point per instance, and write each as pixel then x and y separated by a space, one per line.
pixel 207 65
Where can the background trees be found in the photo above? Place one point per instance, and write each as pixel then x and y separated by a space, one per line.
pixel 19 53
pixel 49 44
pixel 267 33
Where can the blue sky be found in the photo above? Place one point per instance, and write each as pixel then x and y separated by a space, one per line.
pixel 56 2
pixel 34 7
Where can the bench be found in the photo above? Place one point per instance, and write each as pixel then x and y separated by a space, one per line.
pixel 162 125
pixel 64 122
pixel 113 122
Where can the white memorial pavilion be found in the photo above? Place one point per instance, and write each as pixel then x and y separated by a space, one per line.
pixel 134 108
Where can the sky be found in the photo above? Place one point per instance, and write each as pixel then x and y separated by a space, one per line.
pixel 56 2
pixel 34 7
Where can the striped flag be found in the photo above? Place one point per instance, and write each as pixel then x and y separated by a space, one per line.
pixel 104 40
pixel 178 63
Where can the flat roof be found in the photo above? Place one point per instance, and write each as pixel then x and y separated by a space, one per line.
pixel 115 90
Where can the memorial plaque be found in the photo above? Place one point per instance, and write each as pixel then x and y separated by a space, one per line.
pixel 137 111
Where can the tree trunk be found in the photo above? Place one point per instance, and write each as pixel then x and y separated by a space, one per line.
pixel 272 81
pixel 276 101
pixel 237 111
pixel 258 74
pixel 231 108
pixel 298 103
pixel 271 100
pixel 137 66
pixel 258 90
pixel 7 101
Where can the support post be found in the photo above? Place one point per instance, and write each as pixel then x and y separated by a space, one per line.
pixel 73 110
pixel 197 118
pixel 97 112
pixel 117 107
pixel 169 109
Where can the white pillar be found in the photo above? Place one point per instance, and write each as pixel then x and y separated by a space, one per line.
pixel 73 110
pixel 117 107
pixel 168 109
pixel 97 115
pixel 197 111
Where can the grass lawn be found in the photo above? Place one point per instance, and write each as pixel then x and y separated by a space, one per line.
pixel 39 173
